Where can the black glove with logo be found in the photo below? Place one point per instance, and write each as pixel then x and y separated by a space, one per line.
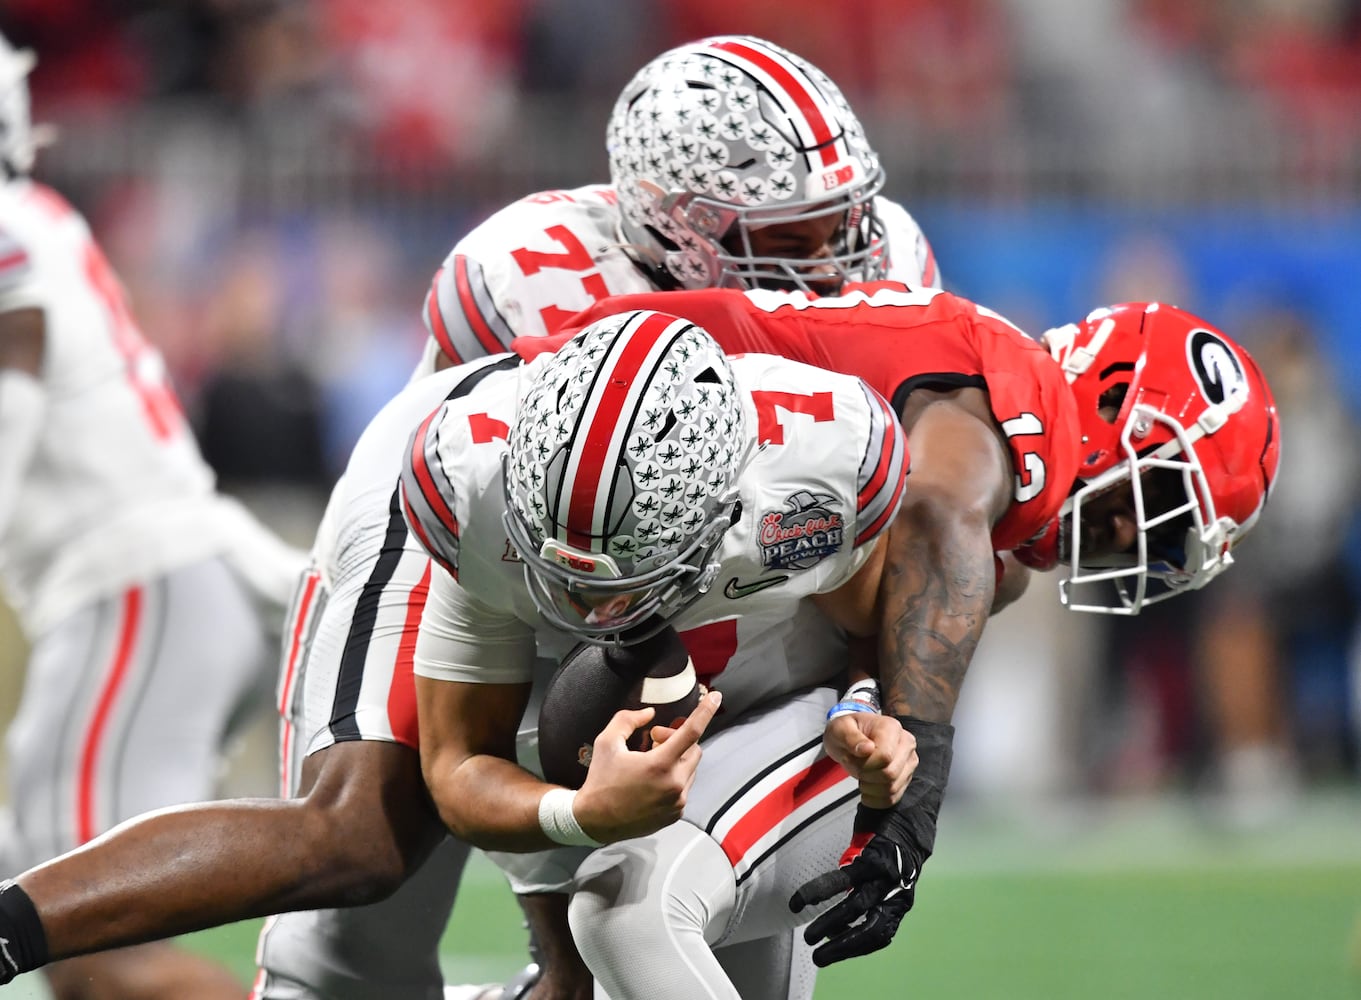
pixel 23 943
pixel 878 873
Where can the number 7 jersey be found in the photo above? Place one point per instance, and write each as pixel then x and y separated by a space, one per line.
pixel 899 341
pixel 825 477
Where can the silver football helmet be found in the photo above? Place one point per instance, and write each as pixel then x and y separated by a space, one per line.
pixel 621 475
pixel 716 139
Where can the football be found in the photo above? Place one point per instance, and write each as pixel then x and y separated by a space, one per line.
pixel 594 682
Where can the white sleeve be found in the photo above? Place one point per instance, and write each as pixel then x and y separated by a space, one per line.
pixel 22 284
pixel 884 464
pixel 462 310
pixel 911 259
pixel 463 639
pixel 22 406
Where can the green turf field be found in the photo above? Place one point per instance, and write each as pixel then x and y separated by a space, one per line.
pixel 1141 904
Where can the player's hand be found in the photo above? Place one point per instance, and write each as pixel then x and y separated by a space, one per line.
pixel 630 793
pixel 660 734
pixel 878 879
pixel 875 750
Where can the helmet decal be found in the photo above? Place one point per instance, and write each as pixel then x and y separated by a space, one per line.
pixel 622 466
pixel 1178 417
pixel 1215 366
pixel 713 140
pixel 779 75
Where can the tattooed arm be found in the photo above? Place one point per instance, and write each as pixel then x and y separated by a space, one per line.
pixel 939 576
pixel 935 593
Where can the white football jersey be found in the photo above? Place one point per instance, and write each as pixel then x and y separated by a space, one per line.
pixel 534 263
pixel 358 513
pixel 824 482
pixel 116 491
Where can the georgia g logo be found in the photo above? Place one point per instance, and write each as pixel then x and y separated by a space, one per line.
pixel 1216 367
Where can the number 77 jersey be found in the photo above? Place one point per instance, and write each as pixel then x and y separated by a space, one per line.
pixel 529 267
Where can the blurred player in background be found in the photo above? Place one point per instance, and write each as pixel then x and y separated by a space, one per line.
pixel 149 601
pixel 810 216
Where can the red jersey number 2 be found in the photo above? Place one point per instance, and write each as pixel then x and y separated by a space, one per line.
pixel 575 257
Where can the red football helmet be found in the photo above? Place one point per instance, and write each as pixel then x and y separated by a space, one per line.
pixel 1173 407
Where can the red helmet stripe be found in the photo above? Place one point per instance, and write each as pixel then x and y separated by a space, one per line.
pixel 803 98
pixel 616 388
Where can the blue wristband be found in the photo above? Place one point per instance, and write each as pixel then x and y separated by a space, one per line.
pixel 847 707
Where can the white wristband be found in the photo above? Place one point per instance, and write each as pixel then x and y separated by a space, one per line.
pixel 559 822
pixel 866 691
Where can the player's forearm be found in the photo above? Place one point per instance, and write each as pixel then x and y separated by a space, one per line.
pixel 938 586
pixel 492 803
pixel 468 752
pixel 181 870
pixel 1012 580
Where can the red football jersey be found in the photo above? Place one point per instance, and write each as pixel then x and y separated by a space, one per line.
pixel 899 340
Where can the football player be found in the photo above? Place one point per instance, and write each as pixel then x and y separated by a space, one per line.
pixel 733 163
pixel 359 825
pixel 1157 393
pixel 1136 448
pixel 633 479
pixel 148 600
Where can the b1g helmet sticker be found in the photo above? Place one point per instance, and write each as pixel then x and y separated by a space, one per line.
pixel 1215 366
pixel 808 531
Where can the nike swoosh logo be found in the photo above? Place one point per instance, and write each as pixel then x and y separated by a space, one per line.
pixel 735 591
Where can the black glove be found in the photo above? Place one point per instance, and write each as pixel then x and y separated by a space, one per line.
pixel 879 875
pixel 23 943
pixel 879 871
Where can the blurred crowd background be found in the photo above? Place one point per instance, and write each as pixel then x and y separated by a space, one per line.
pixel 277 180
